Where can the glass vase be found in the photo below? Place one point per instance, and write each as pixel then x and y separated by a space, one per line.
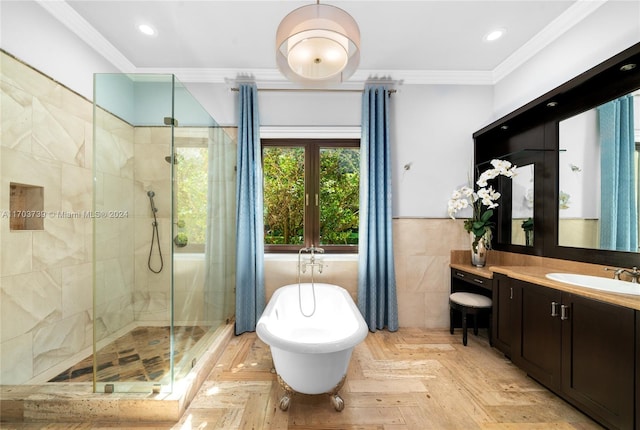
pixel 479 251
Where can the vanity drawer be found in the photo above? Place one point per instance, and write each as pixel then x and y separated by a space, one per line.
pixel 458 275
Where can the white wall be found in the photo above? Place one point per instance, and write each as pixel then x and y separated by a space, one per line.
pixel 580 165
pixel 432 129
pixel 31 34
pixel 609 30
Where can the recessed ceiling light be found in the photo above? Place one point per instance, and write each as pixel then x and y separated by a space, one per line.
pixel 627 67
pixel 494 34
pixel 147 29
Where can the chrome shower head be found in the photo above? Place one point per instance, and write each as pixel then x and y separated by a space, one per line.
pixel 168 158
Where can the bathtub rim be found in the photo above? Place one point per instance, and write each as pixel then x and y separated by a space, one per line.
pixel 359 334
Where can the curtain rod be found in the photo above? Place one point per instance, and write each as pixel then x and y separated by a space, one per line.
pixel 312 90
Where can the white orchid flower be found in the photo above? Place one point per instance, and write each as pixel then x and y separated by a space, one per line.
pixel 487 175
pixel 466 191
pixel 485 196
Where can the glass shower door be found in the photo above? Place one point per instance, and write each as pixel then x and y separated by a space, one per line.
pixel 204 234
pixel 132 228
pixel 162 282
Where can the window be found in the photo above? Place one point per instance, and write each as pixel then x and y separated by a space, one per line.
pixel 311 194
pixel 191 177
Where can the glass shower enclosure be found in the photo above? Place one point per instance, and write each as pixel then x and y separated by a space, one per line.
pixel 163 229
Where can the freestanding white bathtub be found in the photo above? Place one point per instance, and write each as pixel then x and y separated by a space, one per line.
pixel 311 354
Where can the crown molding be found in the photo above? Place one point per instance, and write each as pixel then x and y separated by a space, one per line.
pixel 556 28
pixel 272 78
pixel 87 33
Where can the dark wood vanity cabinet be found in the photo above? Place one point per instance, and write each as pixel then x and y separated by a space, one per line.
pixel 598 359
pixel 462 281
pixel 582 349
pixel 537 331
pixel 502 326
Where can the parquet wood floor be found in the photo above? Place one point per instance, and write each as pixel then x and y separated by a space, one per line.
pixel 413 379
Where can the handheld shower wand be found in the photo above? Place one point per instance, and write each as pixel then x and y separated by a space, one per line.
pixel 155 237
pixel 151 195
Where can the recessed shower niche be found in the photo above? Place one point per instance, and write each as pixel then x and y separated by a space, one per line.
pixel 26 207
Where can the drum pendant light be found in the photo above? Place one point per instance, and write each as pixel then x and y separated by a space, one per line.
pixel 318 44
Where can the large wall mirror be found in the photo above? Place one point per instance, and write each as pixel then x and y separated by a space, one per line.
pixel 598 176
pixel 578 148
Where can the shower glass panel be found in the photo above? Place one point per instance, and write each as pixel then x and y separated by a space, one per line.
pixel 161 288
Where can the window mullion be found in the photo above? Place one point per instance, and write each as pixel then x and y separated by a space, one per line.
pixel 313 188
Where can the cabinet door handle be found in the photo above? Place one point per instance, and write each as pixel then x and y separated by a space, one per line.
pixel 478 281
pixel 511 293
pixel 460 275
pixel 564 312
pixel 554 309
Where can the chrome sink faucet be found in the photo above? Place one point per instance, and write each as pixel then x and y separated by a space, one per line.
pixel 633 272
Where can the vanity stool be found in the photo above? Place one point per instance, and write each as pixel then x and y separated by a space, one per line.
pixel 469 304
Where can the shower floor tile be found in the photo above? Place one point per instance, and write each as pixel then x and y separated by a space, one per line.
pixel 143 354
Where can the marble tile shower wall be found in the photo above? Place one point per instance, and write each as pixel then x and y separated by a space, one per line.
pixel 45 275
pixel 113 233
pixel 46 295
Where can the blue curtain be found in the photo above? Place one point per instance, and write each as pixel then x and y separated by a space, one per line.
pixel 619 210
pixel 250 298
pixel 376 272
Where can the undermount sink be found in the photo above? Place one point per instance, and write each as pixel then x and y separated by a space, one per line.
pixel 597 283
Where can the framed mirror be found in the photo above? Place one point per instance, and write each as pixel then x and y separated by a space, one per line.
pixel 516 229
pixel 522 204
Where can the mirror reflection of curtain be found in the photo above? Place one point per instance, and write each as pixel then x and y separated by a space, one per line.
pixel 619 211
pixel 220 251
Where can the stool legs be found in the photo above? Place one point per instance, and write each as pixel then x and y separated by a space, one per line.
pixel 451 320
pixel 464 327
pixel 465 314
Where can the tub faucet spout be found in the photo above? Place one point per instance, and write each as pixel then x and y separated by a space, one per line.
pixel 316 249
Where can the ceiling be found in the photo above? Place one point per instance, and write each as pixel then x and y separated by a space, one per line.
pixel 402 40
